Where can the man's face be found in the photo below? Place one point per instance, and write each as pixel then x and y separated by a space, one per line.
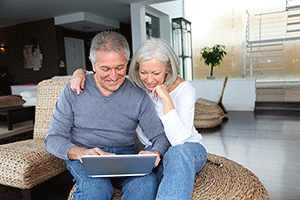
pixel 110 71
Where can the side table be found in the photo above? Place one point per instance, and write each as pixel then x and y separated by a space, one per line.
pixel 16 114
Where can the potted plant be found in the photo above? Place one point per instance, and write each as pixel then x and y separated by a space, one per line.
pixel 213 57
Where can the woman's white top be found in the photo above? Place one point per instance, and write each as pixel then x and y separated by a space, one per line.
pixel 178 123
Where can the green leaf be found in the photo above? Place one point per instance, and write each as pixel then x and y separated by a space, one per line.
pixel 213 56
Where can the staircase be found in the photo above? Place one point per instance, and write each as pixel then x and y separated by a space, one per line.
pixel 263 54
pixel 293 18
pixel 265 58
pixel 277 108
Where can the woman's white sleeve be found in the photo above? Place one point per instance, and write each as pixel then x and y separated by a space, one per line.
pixel 179 123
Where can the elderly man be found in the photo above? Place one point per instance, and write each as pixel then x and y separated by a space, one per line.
pixel 103 119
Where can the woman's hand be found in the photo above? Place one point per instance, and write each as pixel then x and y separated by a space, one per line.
pixel 161 91
pixel 153 152
pixel 78 81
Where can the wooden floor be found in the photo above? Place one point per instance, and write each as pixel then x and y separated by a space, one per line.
pixel 19 128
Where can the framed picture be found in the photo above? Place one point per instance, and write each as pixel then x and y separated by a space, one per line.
pixel 32 57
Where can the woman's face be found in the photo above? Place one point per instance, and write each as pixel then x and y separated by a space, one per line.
pixel 152 73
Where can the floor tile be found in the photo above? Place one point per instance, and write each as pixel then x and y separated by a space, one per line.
pixel 266 145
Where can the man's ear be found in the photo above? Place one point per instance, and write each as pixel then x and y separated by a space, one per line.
pixel 92 64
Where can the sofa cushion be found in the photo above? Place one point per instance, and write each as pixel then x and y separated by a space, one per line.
pixel 29 94
pixel 11 100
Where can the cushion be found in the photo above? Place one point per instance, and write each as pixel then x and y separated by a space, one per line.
pixel 29 94
pixel 30 101
pixel 11 100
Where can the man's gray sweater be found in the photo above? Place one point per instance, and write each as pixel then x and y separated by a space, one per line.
pixel 93 120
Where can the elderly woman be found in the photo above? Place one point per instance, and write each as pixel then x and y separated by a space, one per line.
pixel 155 67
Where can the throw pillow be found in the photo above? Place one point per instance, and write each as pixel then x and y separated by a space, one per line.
pixel 11 100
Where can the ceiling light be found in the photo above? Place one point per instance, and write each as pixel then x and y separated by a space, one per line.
pixel 3 47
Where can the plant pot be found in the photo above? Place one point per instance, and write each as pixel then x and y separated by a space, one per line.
pixel 211 77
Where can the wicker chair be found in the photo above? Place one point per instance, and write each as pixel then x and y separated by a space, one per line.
pixel 204 106
pixel 209 114
pixel 25 164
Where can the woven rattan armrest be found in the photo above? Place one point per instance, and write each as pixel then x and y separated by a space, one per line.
pixel 25 164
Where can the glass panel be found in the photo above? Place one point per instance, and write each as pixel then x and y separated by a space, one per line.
pixel 152 26
pixel 188 27
pixel 181 69
pixel 185 44
pixel 177 42
pixel 182 44
pixel 148 26
pixel 188 69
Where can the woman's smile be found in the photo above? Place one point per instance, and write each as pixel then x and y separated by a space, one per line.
pixel 150 85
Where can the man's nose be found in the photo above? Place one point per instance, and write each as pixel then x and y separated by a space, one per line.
pixel 113 75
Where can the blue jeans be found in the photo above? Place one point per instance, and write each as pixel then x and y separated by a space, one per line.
pixel 138 187
pixel 180 164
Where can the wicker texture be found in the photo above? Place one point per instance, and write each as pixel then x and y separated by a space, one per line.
pixel 209 114
pixel 11 100
pixel 231 181
pixel 207 121
pixel 47 95
pixel 27 163
pixel 204 106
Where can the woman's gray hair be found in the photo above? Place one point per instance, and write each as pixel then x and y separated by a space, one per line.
pixel 109 41
pixel 161 50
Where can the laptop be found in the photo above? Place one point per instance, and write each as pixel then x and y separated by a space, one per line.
pixel 118 165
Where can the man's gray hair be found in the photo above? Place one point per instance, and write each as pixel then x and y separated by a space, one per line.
pixel 109 41
pixel 161 50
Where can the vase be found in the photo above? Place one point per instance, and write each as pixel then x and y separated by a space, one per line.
pixel 211 77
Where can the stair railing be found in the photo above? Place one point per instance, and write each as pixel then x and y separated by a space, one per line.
pixel 267 29
pixel 246 38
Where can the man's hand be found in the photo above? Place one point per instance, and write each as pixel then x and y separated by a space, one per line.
pixel 76 152
pixel 153 152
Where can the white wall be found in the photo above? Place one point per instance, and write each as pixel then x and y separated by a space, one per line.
pixel 165 11
pixel 239 94
pixel 138 25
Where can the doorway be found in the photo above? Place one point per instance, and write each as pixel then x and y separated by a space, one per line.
pixel 75 55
